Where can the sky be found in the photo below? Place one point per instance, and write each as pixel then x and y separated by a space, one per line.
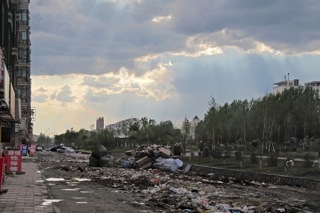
pixel 163 59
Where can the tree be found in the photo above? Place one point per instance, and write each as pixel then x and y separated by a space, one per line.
pixel 186 130
pixel 270 120
pixel 134 132
pixel 201 132
pixel 147 125
pixel 211 121
pixel 43 140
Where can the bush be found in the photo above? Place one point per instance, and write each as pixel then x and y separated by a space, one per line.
pixel 284 150
pixel 253 158
pixel 294 149
pixel 238 155
pixel 226 155
pixel 206 152
pixel 254 143
pixel 308 161
pixel 217 153
pixel 273 161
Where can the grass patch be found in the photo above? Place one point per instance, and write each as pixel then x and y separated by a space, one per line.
pixel 298 154
pixel 298 170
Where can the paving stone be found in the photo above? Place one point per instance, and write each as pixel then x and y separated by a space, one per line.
pixel 26 192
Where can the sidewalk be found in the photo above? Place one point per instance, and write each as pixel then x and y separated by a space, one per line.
pixel 27 192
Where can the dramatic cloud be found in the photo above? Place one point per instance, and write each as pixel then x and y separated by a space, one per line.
pixel 165 58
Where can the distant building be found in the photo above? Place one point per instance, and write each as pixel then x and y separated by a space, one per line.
pixel 193 124
pixel 100 123
pixel 285 84
pixel 121 128
pixel 313 84
pixel 190 126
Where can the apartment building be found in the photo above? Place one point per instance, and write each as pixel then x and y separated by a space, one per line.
pixel 313 84
pixel 100 123
pixel 15 83
pixel 285 84
pixel 121 128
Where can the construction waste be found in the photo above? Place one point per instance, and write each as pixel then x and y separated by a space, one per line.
pixel 143 157
pixel 180 191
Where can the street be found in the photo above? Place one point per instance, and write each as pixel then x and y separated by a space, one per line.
pixel 76 187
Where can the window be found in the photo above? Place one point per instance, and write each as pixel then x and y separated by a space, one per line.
pixel 23 53
pixel 24 35
pixel 24 16
pixel 23 93
pixel 22 72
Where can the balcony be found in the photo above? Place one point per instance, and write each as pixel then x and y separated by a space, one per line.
pixel 24 6
pixel 14 51
pixel 10 18
pixel 22 83
pixel 26 64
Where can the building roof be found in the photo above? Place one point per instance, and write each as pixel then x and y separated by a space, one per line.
pixel 312 83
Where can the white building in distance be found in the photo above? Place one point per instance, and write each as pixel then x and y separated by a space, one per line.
pixel 121 128
pixel 285 84
pixel 313 84
pixel 191 125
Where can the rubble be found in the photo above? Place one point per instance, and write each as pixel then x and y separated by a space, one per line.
pixel 142 158
pixel 182 191
pixel 168 164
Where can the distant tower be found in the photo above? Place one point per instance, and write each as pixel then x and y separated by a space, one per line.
pixel 100 123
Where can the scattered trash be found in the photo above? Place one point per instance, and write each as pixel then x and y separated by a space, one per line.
pixel 143 157
pixel 156 180
pixel 168 164
pixel 65 149
pixel 289 163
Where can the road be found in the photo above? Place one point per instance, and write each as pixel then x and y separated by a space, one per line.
pixel 76 187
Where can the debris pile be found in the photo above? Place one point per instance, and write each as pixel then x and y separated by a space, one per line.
pixel 143 157
pixel 101 157
pixel 166 191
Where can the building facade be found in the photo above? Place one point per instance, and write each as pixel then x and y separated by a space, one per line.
pixel 189 127
pixel 100 123
pixel 16 114
pixel 313 84
pixel 121 128
pixel 285 84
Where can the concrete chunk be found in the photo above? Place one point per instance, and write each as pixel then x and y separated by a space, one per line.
pixel 130 152
pixel 166 153
pixel 143 161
